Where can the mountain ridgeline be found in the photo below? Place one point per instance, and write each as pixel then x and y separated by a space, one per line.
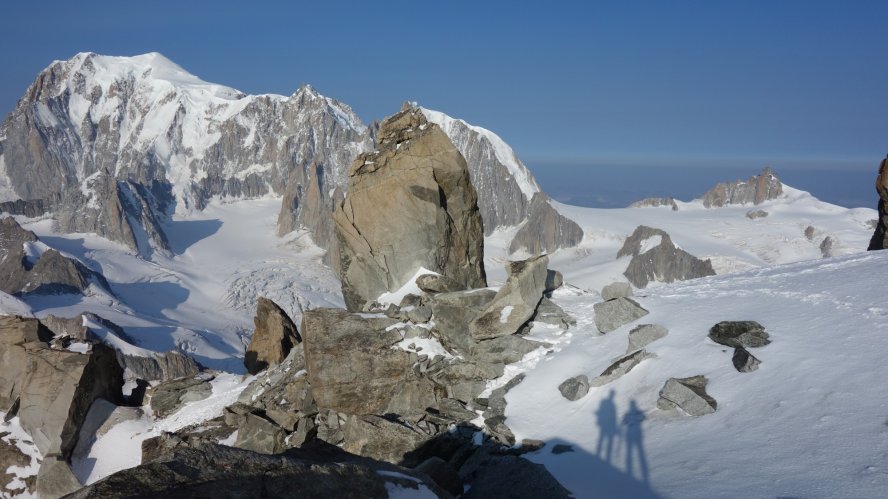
pixel 117 145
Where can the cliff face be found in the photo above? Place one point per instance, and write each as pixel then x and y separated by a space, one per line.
pixel 880 236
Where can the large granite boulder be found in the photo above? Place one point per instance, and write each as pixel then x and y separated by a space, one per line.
pixel 742 334
pixel 410 205
pixel 515 302
pixel 880 236
pixel 170 396
pixel 453 312
pixel 353 369
pixel 275 335
pixel 656 258
pixel 620 367
pixel 643 334
pixel 574 388
pixel 23 272
pixel 756 190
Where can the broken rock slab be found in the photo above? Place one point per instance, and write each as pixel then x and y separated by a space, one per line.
pixel 620 368
pixel 644 334
pixel 687 394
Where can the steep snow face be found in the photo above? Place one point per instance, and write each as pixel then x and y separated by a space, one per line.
pixel 504 185
pixel 810 422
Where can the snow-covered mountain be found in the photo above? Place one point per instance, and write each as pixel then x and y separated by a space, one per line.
pixel 116 145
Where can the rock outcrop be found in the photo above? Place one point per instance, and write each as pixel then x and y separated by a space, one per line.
pixel 545 230
pixel 29 266
pixel 185 469
pixel 410 205
pixel 739 334
pixel 756 190
pixel 656 258
pixel 275 335
pixel 515 302
pixel 880 236
pixel 655 203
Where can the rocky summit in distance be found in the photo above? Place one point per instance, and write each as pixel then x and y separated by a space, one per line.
pixel 656 258
pixel 410 205
pixel 880 236
pixel 756 190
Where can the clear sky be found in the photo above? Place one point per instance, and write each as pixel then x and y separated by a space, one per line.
pixel 702 83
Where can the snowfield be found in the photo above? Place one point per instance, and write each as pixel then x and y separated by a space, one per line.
pixel 812 421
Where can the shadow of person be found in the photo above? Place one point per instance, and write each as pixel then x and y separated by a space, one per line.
pixel 607 427
pixel 632 420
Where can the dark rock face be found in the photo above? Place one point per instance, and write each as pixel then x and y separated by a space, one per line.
pixel 275 335
pixel 663 262
pixel 50 273
pixel 495 474
pixel 353 369
pixel 744 361
pixel 756 190
pixel 545 230
pixel 827 246
pixel 880 236
pixel 739 334
pixel 212 470
pixel 413 190
pixel 687 394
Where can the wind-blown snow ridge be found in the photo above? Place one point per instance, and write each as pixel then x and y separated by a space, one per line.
pixel 503 152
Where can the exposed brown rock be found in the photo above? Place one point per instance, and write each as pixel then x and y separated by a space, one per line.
pixel 410 204
pixel 756 190
pixel 274 337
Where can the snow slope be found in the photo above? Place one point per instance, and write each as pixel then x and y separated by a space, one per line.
pixel 725 235
pixel 810 422
pixel 202 298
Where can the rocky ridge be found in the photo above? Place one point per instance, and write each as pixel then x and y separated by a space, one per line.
pixel 756 190
pixel 880 235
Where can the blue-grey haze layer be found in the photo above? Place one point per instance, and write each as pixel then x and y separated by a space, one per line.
pixel 618 186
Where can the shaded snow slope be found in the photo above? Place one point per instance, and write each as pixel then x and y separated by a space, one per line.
pixel 810 422
pixel 203 298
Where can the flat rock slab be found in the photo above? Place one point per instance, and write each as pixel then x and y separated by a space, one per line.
pixel 743 334
pixel 613 314
pixel 620 368
pixel 687 394
pixel 644 334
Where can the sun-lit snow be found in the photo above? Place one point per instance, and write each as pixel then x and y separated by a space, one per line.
pixel 503 151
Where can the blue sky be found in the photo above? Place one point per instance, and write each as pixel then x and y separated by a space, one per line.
pixel 677 83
